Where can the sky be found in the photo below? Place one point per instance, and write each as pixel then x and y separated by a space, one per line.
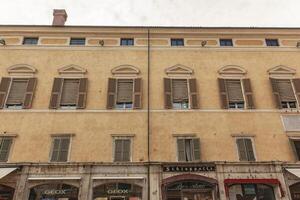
pixel 229 13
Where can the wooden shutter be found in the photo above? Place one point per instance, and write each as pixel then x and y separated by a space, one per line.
pixel 82 94
pixel 4 85
pixel 249 149
pixel 285 90
pixel 55 150
pixel 179 90
pixel 168 93
pixel 55 94
pixel 126 150
pixel 118 150
pixel 64 149
pixel 124 90
pixel 234 91
pixel 223 93
pixel 241 149
pixel 248 93
pixel 296 83
pixel 111 93
pixel 193 93
pixel 181 149
pixel 5 148
pixel 196 148
pixel 137 93
pixel 70 91
pixel 17 91
pixel 29 93
pixel 276 93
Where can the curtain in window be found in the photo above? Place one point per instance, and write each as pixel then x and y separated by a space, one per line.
pixel 17 92
pixel 70 92
pixel 180 90
pixel 235 93
pixel 124 90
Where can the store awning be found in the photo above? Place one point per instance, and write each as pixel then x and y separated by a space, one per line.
pixel 5 171
pixel 296 172
pixel 272 181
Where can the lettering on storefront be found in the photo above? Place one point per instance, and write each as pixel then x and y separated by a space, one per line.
pixel 117 191
pixel 201 168
pixel 55 192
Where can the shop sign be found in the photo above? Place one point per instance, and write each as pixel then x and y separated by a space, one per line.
pixel 196 168
pixel 118 191
pixel 55 192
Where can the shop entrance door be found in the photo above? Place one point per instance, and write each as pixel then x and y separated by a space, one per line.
pixel 117 198
pixel 192 195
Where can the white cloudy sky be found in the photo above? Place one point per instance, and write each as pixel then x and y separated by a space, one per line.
pixel 285 13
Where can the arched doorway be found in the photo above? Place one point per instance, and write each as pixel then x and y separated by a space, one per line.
pixel 6 193
pixel 54 191
pixel 295 191
pixel 189 187
pixel 251 191
pixel 117 191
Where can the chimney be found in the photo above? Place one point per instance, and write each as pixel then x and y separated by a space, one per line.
pixel 59 17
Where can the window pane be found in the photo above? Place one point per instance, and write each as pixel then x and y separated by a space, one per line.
pixel 17 92
pixel 177 42
pixel 272 42
pixel 77 41
pixel 30 41
pixel 70 92
pixel 265 192
pixel 226 42
pixel 127 42
pixel 60 149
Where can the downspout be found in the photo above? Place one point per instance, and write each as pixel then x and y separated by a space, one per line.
pixel 148 114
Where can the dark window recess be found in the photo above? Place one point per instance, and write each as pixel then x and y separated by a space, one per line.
pixel 226 42
pixel 188 149
pixel 77 41
pixel 297 148
pixel 122 150
pixel 177 42
pixel 5 144
pixel 60 149
pixel 30 40
pixel 127 42
pixel 245 149
pixel 272 42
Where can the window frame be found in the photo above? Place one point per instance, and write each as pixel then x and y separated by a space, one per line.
pixel 293 139
pixel 253 148
pixel 130 138
pixel 53 137
pixel 127 41
pixel 188 90
pixel 243 93
pixel 192 148
pixel 32 39
pixel 65 107
pixel 15 107
pixel 271 41
pixel 78 39
pixel 225 41
pixel 175 40
pixel 10 148
pixel 117 91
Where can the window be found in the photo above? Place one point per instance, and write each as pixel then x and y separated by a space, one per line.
pixel 251 191
pixel 127 42
pixel 188 149
pixel 296 147
pixel 124 93
pixel 272 42
pixel 284 92
pixel 245 149
pixel 30 40
pixel 226 42
pixel 122 149
pixel 177 42
pixel 77 41
pixel 235 94
pixel 5 144
pixel 69 93
pixel 180 93
pixel 60 149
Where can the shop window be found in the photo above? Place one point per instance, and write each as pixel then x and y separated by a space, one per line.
pixel 226 42
pixel 127 41
pixel 272 42
pixel 122 149
pixel 30 40
pixel 251 191
pixel 54 191
pixel 284 91
pixel 188 149
pixel 245 149
pixel 117 191
pixel 77 41
pixel 6 193
pixel 60 149
pixel 5 146
pixel 177 42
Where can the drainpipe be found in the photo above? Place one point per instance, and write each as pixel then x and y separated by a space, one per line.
pixel 148 114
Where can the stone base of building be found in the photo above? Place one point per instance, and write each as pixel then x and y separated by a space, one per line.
pixel 167 181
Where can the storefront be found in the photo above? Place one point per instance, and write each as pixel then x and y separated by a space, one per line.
pixel 292 176
pixel 117 191
pixel 6 193
pixel 262 189
pixel 54 191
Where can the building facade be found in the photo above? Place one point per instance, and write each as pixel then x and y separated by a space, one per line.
pixel 149 113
